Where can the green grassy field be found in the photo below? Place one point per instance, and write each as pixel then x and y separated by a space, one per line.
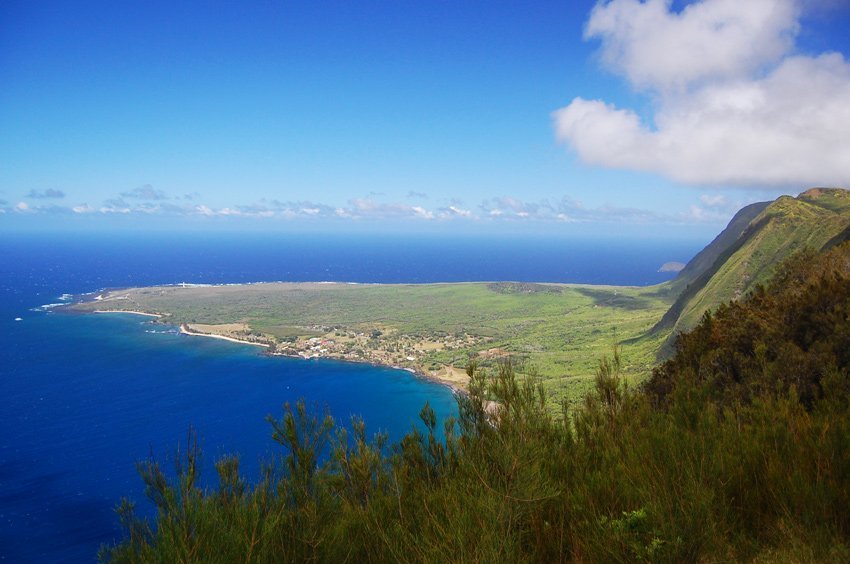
pixel 558 332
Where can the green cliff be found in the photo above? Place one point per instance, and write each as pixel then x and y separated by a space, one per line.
pixel 746 253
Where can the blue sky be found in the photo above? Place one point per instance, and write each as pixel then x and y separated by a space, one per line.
pixel 556 116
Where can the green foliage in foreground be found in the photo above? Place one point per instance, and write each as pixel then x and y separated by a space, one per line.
pixel 712 463
pixel 794 335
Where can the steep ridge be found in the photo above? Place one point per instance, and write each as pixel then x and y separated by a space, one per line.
pixel 746 253
pixel 706 258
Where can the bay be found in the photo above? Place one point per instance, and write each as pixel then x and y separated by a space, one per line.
pixel 84 397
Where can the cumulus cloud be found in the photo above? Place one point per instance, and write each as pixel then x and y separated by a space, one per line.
pixel 454 211
pixel 718 208
pixel 362 208
pixel 355 209
pixel 43 194
pixel 115 205
pixel 495 209
pixel 656 48
pixel 291 209
pixel 714 200
pixel 145 192
pixel 733 103
pixel 370 209
pixel 511 208
pixel 421 212
pixel 414 194
pixel 712 208
pixel 27 209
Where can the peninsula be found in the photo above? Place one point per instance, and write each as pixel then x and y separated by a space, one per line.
pixel 556 331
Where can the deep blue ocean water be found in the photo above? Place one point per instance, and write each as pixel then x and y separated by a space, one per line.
pixel 84 397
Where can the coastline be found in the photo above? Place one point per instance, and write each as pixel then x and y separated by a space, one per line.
pixel 157 315
pixel 453 385
pixel 186 330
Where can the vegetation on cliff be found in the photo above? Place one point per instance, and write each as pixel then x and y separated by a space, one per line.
pixel 747 252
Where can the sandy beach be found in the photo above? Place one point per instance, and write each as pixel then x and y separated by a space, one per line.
pixel 187 330
pixel 127 311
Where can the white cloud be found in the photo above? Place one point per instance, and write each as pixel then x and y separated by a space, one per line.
pixel 114 209
pixel 451 212
pixel 714 200
pixel 512 208
pixel 229 211
pixel 697 214
pixel 568 210
pixel 497 210
pixel 733 106
pixel 656 48
pixel 370 209
pixel 356 209
pixel 419 211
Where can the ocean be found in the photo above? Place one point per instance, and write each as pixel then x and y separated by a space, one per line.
pixel 83 398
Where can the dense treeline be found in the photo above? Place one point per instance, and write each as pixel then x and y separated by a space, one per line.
pixel 737 449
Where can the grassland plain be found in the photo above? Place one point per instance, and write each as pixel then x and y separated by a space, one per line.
pixel 556 331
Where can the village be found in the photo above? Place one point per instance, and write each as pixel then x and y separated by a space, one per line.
pixel 421 353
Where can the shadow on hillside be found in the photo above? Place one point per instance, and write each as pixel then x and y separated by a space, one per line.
pixel 610 298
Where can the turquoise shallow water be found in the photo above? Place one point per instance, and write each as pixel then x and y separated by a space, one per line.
pixel 84 397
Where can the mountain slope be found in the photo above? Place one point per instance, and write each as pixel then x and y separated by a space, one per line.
pixel 706 258
pixel 746 254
